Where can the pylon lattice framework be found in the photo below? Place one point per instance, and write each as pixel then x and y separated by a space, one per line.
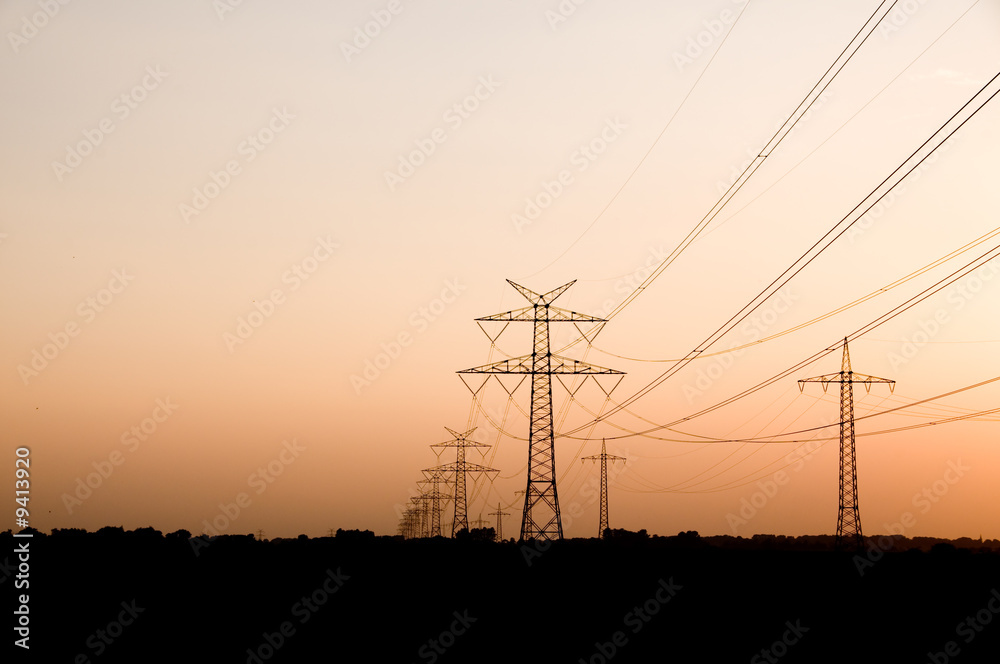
pixel 434 497
pixel 499 514
pixel 541 518
pixel 603 457
pixel 848 516
pixel 460 467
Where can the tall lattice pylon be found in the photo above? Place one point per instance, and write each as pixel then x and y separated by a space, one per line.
pixel 603 457
pixel 499 514
pixel 460 468
pixel 848 517
pixel 433 494
pixel 541 518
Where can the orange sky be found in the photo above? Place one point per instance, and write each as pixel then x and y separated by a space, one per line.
pixel 213 223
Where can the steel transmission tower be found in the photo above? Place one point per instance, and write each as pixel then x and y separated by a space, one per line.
pixel 435 497
pixel 541 518
pixel 603 457
pixel 460 467
pixel 848 517
pixel 499 514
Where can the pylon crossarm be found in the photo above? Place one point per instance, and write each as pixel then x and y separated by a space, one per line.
pixel 522 314
pixel 535 298
pixel 566 365
pixel 513 365
pixel 558 365
pixel 467 467
pixel 460 443
pixel 825 378
pixel 460 436
pixel 868 381
pixel 557 315
pixel 553 315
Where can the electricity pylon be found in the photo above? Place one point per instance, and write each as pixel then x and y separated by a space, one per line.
pixel 603 457
pixel 541 518
pixel 434 478
pixel 409 524
pixel 848 517
pixel 499 514
pixel 460 467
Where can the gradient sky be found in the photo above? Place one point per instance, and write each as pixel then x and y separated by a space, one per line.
pixel 119 116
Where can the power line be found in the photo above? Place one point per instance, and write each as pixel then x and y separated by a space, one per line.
pixel 838 229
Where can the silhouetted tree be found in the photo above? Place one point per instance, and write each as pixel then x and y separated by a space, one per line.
pixel 482 534
pixel 353 535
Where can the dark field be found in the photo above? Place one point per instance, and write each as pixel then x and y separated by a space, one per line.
pixel 143 597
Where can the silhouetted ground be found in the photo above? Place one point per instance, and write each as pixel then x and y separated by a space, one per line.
pixel 143 597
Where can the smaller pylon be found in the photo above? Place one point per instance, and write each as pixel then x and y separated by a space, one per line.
pixel 849 534
pixel 436 499
pixel 603 457
pixel 460 468
pixel 499 514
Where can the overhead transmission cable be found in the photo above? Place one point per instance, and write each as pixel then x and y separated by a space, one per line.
pixel 944 132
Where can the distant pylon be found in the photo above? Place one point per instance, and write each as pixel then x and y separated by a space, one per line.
pixel 460 467
pixel 422 516
pixel 541 518
pixel 603 457
pixel 499 514
pixel 848 517
pixel 435 497
pixel 409 524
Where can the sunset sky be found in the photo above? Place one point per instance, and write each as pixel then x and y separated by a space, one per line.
pixel 243 245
